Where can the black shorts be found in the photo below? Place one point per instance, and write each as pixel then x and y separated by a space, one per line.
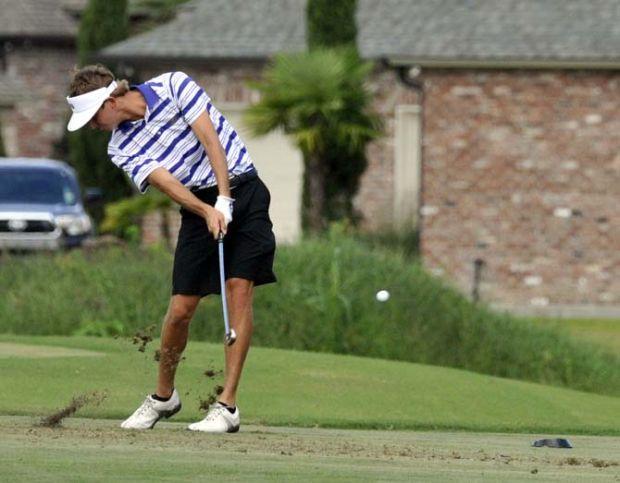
pixel 249 245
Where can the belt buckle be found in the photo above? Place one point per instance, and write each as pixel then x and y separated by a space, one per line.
pixel 234 181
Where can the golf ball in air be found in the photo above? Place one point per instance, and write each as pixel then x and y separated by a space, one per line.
pixel 383 295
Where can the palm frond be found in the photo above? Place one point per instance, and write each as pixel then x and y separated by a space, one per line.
pixel 320 98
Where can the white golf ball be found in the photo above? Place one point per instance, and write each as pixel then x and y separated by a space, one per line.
pixel 383 295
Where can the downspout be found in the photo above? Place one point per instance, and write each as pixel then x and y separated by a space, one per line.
pixel 410 77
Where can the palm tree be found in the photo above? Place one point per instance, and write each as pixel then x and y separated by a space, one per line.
pixel 320 99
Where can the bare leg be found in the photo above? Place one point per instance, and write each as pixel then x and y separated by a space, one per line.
pixel 240 294
pixel 174 339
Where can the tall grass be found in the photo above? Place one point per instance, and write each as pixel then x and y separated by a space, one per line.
pixel 324 301
pixel 59 294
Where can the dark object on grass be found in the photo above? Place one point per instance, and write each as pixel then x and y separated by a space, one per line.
pixel 54 420
pixel 552 443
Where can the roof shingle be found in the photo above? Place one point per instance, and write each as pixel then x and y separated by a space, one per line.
pixel 490 29
pixel 439 30
pixel 36 18
pixel 222 29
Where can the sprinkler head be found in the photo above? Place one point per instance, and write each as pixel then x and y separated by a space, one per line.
pixel 231 337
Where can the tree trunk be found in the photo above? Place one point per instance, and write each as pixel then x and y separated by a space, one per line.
pixel 314 196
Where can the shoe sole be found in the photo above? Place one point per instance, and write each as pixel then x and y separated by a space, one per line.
pixel 234 429
pixel 167 414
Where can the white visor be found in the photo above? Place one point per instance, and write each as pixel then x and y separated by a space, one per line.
pixel 85 106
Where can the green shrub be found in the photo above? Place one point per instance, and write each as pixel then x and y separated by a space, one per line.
pixel 405 241
pixel 122 218
pixel 324 301
pixel 331 24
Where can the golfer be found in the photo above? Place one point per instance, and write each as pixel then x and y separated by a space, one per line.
pixel 166 133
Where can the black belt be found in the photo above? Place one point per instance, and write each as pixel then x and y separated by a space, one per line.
pixel 238 179
pixel 233 181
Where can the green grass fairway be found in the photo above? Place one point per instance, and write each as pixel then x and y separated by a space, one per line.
pixel 97 450
pixel 8 349
pixel 301 389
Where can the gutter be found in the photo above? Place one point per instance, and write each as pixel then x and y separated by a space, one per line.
pixel 572 64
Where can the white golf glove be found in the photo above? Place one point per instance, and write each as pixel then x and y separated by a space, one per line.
pixel 224 205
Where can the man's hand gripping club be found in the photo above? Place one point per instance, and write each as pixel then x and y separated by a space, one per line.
pixel 217 217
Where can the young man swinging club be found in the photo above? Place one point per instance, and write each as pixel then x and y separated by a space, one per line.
pixel 167 133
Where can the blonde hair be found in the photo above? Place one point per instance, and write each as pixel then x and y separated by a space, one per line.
pixel 92 77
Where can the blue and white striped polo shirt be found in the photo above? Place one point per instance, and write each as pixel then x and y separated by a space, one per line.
pixel 164 137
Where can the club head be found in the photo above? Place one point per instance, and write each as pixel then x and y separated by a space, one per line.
pixel 231 337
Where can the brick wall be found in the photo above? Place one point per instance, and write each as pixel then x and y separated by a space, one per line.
pixel 38 119
pixel 522 170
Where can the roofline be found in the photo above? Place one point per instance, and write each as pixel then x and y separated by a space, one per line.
pixel 56 39
pixel 576 64
pixel 158 58
pixel 396 61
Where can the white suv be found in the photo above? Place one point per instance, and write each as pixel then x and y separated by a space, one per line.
pixel 40 205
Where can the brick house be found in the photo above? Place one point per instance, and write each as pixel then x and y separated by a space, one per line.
pixel 37 52
pixel 499 141
pixel 520 160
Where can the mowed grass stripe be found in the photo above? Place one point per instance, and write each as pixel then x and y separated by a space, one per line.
pixel 283 387
pixel 8 349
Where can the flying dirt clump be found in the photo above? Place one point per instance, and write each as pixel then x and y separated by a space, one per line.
pixel 143 336
pixel 203 404
pixel 212 373
pixel 54 420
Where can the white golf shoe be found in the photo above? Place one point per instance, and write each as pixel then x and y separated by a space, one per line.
pixel 218 420
pixel 152 411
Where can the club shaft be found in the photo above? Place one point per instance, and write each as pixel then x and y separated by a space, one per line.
pixel 220 247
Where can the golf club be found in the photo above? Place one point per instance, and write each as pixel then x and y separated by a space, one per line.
pixel 231 336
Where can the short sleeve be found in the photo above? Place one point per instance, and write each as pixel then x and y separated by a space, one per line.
pixel 138 168
pixel 190 98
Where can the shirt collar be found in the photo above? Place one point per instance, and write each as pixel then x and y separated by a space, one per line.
pixel 151 97
pixel 149 94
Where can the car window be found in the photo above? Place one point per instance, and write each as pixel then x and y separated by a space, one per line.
pixel 27 185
